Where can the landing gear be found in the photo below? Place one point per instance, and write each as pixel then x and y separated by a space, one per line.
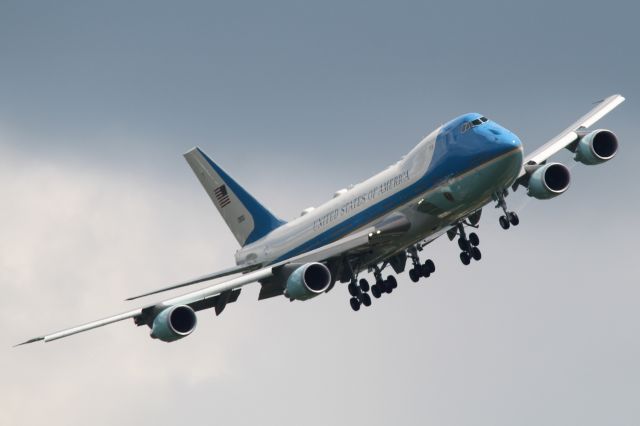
pixel 359 294
pixel 366 299
pixel 364 285
pixel 475 253
pixel 509 218
pixel 355 304
pixel 419 270
pixel 376 291
pixel 468 246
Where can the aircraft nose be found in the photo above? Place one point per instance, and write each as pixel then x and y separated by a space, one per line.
pixel 505 141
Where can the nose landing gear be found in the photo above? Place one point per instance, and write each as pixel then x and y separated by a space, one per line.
pixel 509 218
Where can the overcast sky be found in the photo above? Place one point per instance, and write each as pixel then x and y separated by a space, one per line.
pixel 98 101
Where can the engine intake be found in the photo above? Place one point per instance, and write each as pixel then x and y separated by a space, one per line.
pixel 549 181
pixel 173 323
pixel 307 281
pixel 596 147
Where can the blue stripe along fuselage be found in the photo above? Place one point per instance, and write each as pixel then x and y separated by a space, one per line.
pixel 456 152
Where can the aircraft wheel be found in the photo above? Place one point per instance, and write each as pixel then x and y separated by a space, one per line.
pixel 425 271
pixel 375 291
pixel 366 299
pixel 353 289
pixel 463 244
pixel 364 285
pixel 475 253
pixel 413 274
pixel 355 304
pixel 387 287
pixel 474 239
pixel 392 281
pixel 465 258
pixel 432 266
pixel 514 219
pixel 504 222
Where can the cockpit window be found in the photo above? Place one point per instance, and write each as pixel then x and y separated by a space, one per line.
pixel 469 124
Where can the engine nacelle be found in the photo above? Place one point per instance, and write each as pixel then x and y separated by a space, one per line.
pixel 307 281
pixel 596 147
pixel 549 181
pixel 173 323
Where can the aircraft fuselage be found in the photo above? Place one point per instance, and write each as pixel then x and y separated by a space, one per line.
pixel 451 173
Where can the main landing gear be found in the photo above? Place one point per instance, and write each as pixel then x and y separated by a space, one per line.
pixel 382 286
pixel 468 246
pixel 359 290
pixel 509 218
pixel 359 294
pixel 419 270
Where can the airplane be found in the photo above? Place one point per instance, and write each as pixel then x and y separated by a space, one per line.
pixel 440 187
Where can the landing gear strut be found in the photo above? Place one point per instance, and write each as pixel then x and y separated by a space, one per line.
pixel 419 270
pixel 509 218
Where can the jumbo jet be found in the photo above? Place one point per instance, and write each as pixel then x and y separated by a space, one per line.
pixel 439 188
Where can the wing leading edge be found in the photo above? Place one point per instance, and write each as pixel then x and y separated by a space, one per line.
pixel 570 134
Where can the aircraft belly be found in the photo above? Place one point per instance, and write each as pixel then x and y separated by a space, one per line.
pixel 453 200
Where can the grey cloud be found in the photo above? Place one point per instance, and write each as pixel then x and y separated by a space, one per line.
pixel 97 102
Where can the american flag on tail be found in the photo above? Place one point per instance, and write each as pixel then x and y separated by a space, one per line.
pixel 222 196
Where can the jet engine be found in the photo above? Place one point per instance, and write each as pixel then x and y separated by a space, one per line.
pixel 173 323
pixel 549 181
pixel 307 281
pixel 596 147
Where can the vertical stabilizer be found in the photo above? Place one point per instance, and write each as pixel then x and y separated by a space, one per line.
pixel 245 216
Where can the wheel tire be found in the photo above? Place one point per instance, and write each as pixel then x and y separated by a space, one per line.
pixel 364 285
pixel 353 289
pixel 432 266
pixel 355 304
pixel 514 219
pixel 504 222
pixel 366 299
pixel 476 254
pixel 465 258
pixel 425 271
pixel 392 281
pixel 413 275
pixel 474 239
pixel 387 287
pixel 463 244
pixel 375 291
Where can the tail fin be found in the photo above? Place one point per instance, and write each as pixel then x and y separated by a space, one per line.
pixel 245 216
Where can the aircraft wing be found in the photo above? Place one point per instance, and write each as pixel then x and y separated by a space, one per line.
pixel 219 294
pixel 208 277
pixel 570 134
pixel 139 314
